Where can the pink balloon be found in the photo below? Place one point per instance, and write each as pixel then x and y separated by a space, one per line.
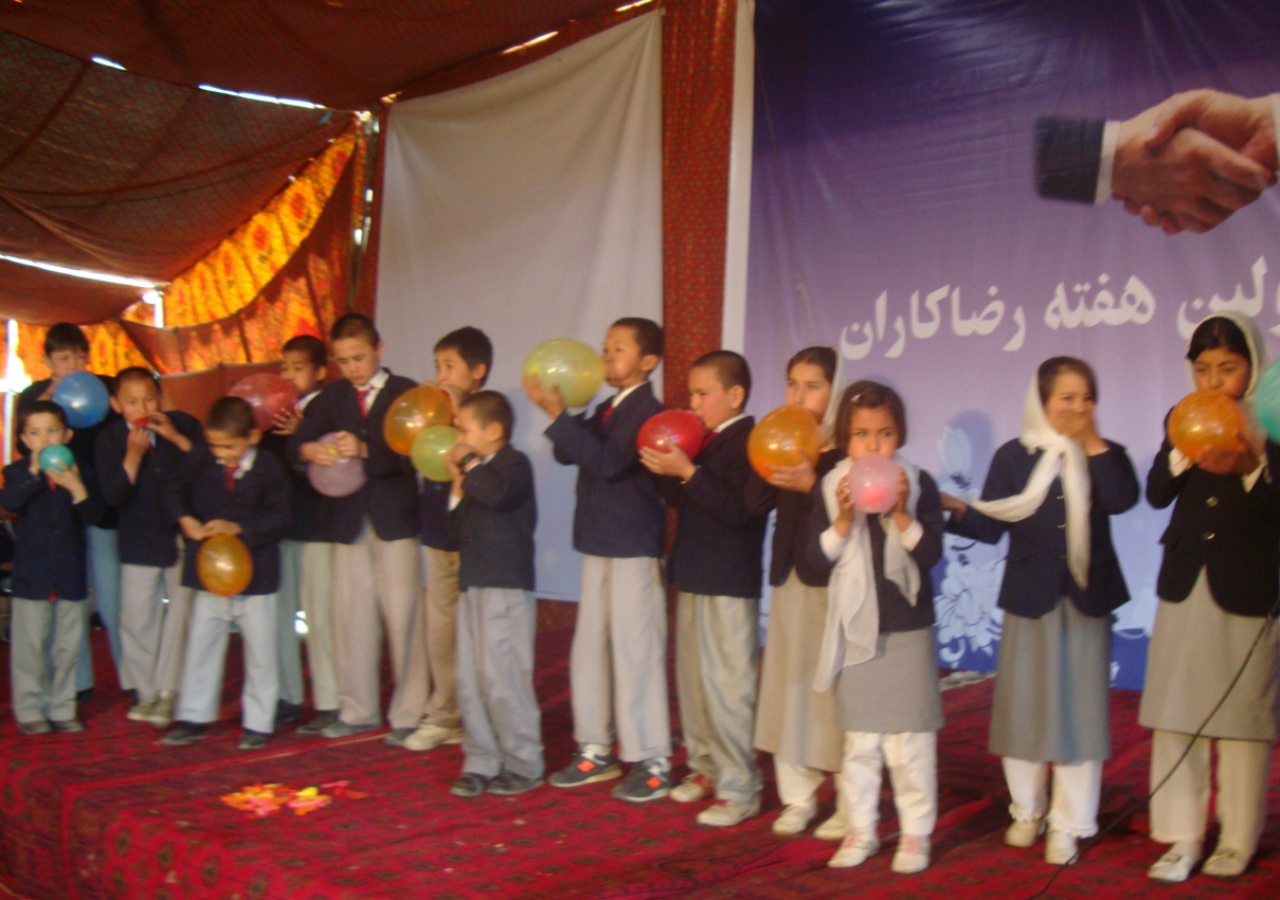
pixel 874 484
pixel 342 479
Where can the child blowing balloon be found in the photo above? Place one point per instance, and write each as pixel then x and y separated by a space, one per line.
pixel 878 645
pixel 1215 632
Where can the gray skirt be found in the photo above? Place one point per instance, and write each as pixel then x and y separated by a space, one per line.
pixel 895 691
pixel 793 721
pixel 1196 650
pixel 1053 681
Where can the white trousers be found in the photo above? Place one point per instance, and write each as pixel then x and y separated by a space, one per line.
pixel 798 786
pixel 1180 809
pixel 153 634
pixel 1077 788
pixel 211 618
pixel 912 758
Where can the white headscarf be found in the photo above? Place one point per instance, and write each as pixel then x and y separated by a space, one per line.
pixel 1063 458
pixel 853 610
pixel 1259 357
pixel 828 427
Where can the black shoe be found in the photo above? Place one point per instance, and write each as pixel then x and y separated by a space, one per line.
pixel 35 726
pixel 648 780
pixel 84 695
pixel 319 722
pixel 398 736
pixel 508 784
pixel 469 785
pixel 66 726
pixel 253 740
pixel 287 713
pixel 182 734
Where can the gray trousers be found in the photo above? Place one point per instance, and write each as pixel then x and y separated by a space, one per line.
pixel 307 572
pixel 502 726
pixel 211 618
pixel 44 644
pixel 288 602
pixel 717 665
pixel 618 664
pixel 153 634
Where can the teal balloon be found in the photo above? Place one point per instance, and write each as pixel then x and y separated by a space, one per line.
pixel 83 397
pixel 429 450
pixel 1266 401
pixel 56 457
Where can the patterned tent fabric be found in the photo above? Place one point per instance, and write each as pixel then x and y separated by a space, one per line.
pixel 110 349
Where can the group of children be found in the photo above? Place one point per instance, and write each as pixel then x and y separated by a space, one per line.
pixel 849 682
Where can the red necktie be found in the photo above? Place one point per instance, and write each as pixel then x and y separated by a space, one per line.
pixel 231 480
pixel 607 412
pixel 362 396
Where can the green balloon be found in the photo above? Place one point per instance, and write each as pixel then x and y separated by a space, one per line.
pixel 573 367
pixel 429 450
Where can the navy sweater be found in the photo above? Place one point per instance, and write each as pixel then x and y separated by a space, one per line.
pixel 49 553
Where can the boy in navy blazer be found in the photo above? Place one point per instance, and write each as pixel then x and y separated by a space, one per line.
pixel 493 514
pixel 136 455
pixel 376 575
pixel 231 487
pixel 618 664
pixel 716 563
pixel 53 507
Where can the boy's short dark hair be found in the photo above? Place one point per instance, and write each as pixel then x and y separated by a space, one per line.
pixel 40 406
pixel 473 345
pixel 355 325
pixel 489 407
pixel 869 395
pixel 648 334
pixel 133 373
pixel 230 415
pixel 312 346
pixel 65 336
pixel 731 370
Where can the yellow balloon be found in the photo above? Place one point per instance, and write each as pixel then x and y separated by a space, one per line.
pixel 573 367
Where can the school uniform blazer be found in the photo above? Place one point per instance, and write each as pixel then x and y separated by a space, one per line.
pixel 896 613
pixel 49 558
pixel 619 512
pixel 390 497
pixel 791 528
pixel 1068 156
pixel 259 504
pixel 494 523
pixel 1217 525
pixel 719 546
pixel 311 511
pixel 1036 575
pixel 148 536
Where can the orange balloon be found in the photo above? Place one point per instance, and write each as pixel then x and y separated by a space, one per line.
pixel 417 408
pixel 1207 421
pixel 224 565
pixel 787 436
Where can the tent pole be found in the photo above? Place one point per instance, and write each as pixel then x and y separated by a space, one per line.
pixel 11 331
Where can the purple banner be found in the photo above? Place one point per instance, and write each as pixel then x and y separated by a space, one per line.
pixel 894 215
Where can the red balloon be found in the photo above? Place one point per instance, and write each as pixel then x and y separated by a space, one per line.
pixel 1206 425
pixel 224 565
pixel 268 394
pixel 672 428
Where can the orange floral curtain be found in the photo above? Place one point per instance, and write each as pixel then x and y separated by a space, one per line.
pixel 110 349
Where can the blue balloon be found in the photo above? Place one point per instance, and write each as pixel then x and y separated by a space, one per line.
pixel 1266 401
pixel 55 457
pixel 83 397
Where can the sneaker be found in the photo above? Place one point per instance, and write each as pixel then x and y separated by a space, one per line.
pixel 398 736
pixel 724 813
pixel 1223 862
pixel 694 787
pixel 340 729
pixel 182 734
pixel 319 722
pixel 793 819
pixel 856 848
pixel 287 713
pixel 140 711
pixel 1176 865
pixel 429 736
pixel 35 726
pixel 253 740
pixel 912 855
pixel 1060 848
pixel 586 769
pixel 161 714
pixel 835 828
pixel 648 780
pixel 66 726
pixel 469 785
pixel 508 784
pixel 1024 834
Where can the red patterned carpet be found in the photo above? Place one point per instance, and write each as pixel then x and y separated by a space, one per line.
pixel 108 814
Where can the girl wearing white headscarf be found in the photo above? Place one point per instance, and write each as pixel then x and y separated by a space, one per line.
pixel 1053 489
pixel 793 722
pixel 1218 594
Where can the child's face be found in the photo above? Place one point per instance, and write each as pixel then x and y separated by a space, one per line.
pixel 63 362
pixel 1071 403
pixel 1223 371
pixel 297 369
pixel 710 400
pixel 485 439
pixel 43 429
pixel 873 432
pixel 227 448
pixel 452 370
pixel 357 359
pixel 807 386
pixel 136 399
pixel 624 365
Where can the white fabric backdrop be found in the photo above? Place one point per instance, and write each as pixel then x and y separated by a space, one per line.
pixel 529 206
